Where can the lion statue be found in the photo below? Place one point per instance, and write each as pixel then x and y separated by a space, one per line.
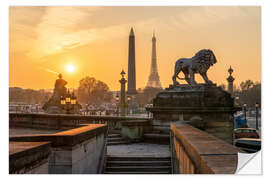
pixel 199 63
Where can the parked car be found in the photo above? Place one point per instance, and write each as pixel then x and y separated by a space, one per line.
pixel 250 145
pixel 245 133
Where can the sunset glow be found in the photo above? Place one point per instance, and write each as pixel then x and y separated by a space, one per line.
pixel 70 68
pixel 97 38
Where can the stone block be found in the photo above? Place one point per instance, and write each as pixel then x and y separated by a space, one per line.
pixel 203 106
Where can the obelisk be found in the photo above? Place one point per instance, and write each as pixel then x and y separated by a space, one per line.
pixel 131 64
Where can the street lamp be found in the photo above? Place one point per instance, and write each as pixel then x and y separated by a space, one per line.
pixel 36 107
pixel 128 101
pixel 63 102
pixel 68 99
pixel 245 110
pixel 117 103
pixel 128 98
pixel 86 109
pixel 73 101
pixel 257 107
pixel 236 100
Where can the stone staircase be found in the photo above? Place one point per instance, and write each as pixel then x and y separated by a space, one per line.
pixel 115 139
pixel 138 165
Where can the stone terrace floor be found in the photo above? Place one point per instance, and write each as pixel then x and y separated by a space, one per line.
pixel 139 149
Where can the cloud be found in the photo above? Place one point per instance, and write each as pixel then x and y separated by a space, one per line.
pixel 41 31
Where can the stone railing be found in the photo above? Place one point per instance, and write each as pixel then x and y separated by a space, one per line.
pixel 63 121
pixel 197 152
pixel 76 151
pixel 29 157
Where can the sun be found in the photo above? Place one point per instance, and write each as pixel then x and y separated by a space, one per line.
pixel 70 68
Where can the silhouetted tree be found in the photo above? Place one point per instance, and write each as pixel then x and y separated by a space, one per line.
pixel 246 85
pixel 92 91
pixel 249 93
pixel 28 96
pixel 146 95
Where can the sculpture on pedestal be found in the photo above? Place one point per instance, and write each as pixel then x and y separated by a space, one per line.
pixel 200 63
pixel 58 103
pixel 59 87
pixel 204 106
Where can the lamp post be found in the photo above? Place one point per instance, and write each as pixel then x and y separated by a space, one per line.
pixel 68 102
pixel 257 107
pixel 245 111
pixel 86 109
pixel 128 101
pixel 230 80
pixel 63 102
pixel 36 108
pixel 117 104
pixel 122 103
pixel 236 101
pixel 73 101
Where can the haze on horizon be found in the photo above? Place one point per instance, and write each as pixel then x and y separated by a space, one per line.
pixel 93 41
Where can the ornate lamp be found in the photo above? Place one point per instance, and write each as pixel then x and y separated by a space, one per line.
pixel 117 98
pixel 128 98
pixel 73 99
pixel 257 105
pixel 62 100
pixel 68 99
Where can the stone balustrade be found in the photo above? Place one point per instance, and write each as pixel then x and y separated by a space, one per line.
pixel 197 152
pixel 76 151
pixel 29 157
pixel 65 121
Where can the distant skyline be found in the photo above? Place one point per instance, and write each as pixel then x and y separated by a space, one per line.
pixel 93 41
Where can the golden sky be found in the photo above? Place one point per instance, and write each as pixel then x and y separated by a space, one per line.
pixel 44 40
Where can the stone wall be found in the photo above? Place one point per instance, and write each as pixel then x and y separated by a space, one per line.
pixel 29 157
pixel 76 151
pixel 197 152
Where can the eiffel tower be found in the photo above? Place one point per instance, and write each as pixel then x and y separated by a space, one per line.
pixel 153 80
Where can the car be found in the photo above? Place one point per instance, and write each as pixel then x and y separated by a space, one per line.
pixel 249 145
pixel 245 133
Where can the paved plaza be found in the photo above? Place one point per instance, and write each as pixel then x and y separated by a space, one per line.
pixel 139 149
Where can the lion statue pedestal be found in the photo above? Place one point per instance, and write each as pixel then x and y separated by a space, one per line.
pixel 203 106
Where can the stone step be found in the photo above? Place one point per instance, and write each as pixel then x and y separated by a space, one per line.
pixel 137 168
pixel 114 135
pixel 137 158
pixel 157 138
pixel 138 163
pixel 155 135
pixel 138 172
pixel 117 143
pixel 115 139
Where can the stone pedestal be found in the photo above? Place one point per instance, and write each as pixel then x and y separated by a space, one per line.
pixel 206 107
pixel 133 130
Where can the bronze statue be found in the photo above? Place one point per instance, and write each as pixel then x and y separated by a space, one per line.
pixel 59 87
pixel 53 105
pixel 200 63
